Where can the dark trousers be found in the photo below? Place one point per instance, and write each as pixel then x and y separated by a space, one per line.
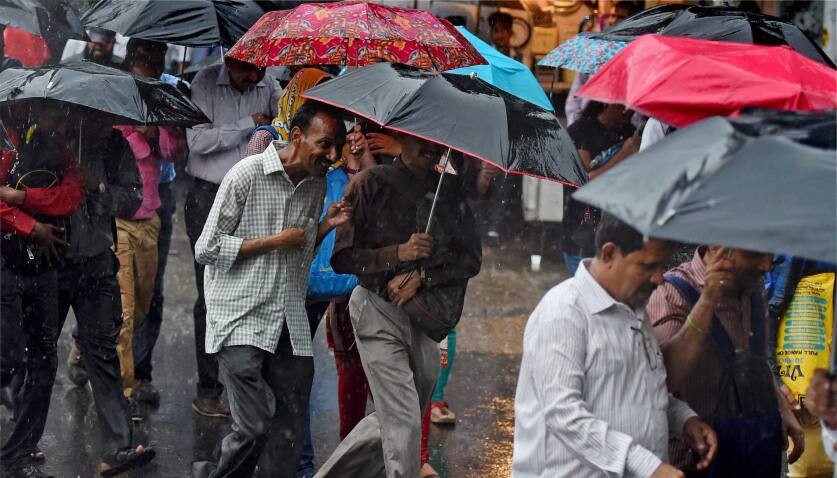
pixel 315 313
pixel 268 396
pixel 90 287
pixel 29 327
pixel 198 204
pixel 145 336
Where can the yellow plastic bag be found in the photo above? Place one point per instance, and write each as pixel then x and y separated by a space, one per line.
pixel 804 340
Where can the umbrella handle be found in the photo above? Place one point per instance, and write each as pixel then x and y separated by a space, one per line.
pixel 80 126
pixel 438 189
pixel 183 63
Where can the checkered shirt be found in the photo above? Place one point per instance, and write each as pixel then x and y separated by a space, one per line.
pixel 248 300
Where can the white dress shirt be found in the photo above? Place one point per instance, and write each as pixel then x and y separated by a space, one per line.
pixel 591 397
pixel 249 299
pixel 829 439
pixel 215 147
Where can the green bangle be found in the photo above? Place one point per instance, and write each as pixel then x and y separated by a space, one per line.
pixel 694 326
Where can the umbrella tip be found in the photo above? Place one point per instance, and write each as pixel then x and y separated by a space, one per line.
pixel 473 75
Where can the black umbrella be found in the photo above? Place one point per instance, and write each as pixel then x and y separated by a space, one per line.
pixel 194 23
pixel 45 18
pixel 722 23
pixel 461 112
pixel 125 98
pixel 767 182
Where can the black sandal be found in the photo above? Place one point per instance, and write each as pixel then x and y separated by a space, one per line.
pixel 121 461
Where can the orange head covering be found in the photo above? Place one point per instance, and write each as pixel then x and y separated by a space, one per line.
pixel 292 99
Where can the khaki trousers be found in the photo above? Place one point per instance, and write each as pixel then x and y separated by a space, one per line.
pixel 137 253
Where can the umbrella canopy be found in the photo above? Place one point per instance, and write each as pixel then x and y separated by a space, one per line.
pixel 505 73
pixel 721 23
pixel 45 18
pixel 125 98
pixel 460 112
pixel 583 53
pixel 681 80
pixel 195 23
pixel 760 182
pixel 354 34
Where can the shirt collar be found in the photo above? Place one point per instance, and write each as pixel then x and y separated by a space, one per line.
pixel 596 298
pixel 224 78
pixel 272 163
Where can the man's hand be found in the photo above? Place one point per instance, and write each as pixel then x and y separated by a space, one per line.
pixel 821 398
pixel 338 213
pixel 357 142
pixel 788 395
pixel 401 294
pixel 380 143
pixel 719 275
pixel 667 471
pixel 12 196
pixel 795 434
pixel 702 439
pixel 418 247
pixel 261 119
pixel 45 239
pixel 291 238
pixel 486 174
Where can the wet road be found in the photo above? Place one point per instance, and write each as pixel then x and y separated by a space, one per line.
pixel 481 390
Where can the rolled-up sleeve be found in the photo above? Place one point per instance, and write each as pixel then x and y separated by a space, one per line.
pixel 678 413
pixel 557 353
pixel 218 246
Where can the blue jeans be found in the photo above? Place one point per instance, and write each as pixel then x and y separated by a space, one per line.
pixel 306 458
pixel 572 262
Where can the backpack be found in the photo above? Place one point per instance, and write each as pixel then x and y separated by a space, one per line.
pixel 746 418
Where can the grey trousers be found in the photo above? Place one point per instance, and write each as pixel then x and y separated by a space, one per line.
pixel 268 395
pixel 401 364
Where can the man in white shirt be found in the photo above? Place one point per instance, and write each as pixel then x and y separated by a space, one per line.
pixel 236 97
pixel 591 398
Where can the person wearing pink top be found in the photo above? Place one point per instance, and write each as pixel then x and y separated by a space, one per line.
pixel 137 237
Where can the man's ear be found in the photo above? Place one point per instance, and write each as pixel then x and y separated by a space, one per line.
pixel 608 252
pixel 296 136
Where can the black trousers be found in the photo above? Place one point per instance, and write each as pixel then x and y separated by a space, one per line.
pixel 196 210
pixel 145 336
pixel 90 287
pixel 29 327
pixel 268 394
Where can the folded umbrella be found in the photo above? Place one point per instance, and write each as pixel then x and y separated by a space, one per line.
pixel 462 113
pixel 720 22
pixel 193 23
pixel 505 73
pixel 763 182
pixel 125 98
pixel 681 80
pixel 354 34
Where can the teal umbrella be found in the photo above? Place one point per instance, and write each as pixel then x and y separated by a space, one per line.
pixel 505 73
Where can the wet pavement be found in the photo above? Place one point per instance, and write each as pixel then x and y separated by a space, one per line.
pixel 481 389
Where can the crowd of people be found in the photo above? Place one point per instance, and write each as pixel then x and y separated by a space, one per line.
pixel 298 214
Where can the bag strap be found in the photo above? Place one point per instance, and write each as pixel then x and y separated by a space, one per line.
pixel 716 330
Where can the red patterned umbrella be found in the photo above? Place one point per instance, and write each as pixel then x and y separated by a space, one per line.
pixel 354 34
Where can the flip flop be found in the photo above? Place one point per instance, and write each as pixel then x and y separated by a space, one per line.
pixel 124 460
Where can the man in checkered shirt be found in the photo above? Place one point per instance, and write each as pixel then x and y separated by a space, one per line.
pixel 257 245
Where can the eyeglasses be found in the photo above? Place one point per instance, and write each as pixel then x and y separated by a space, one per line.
pixel 650 354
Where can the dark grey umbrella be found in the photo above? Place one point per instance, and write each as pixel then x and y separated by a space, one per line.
pixel 46 18
pixel 121 96
pixel 720 182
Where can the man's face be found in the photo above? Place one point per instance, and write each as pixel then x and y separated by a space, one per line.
pixel 320 144
pixel 150 64
pixel 420 154
pixel 100 51
pixel 749 268
pixel 501 36
pixel 617 14
pixel 639 272
pixel 244 76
